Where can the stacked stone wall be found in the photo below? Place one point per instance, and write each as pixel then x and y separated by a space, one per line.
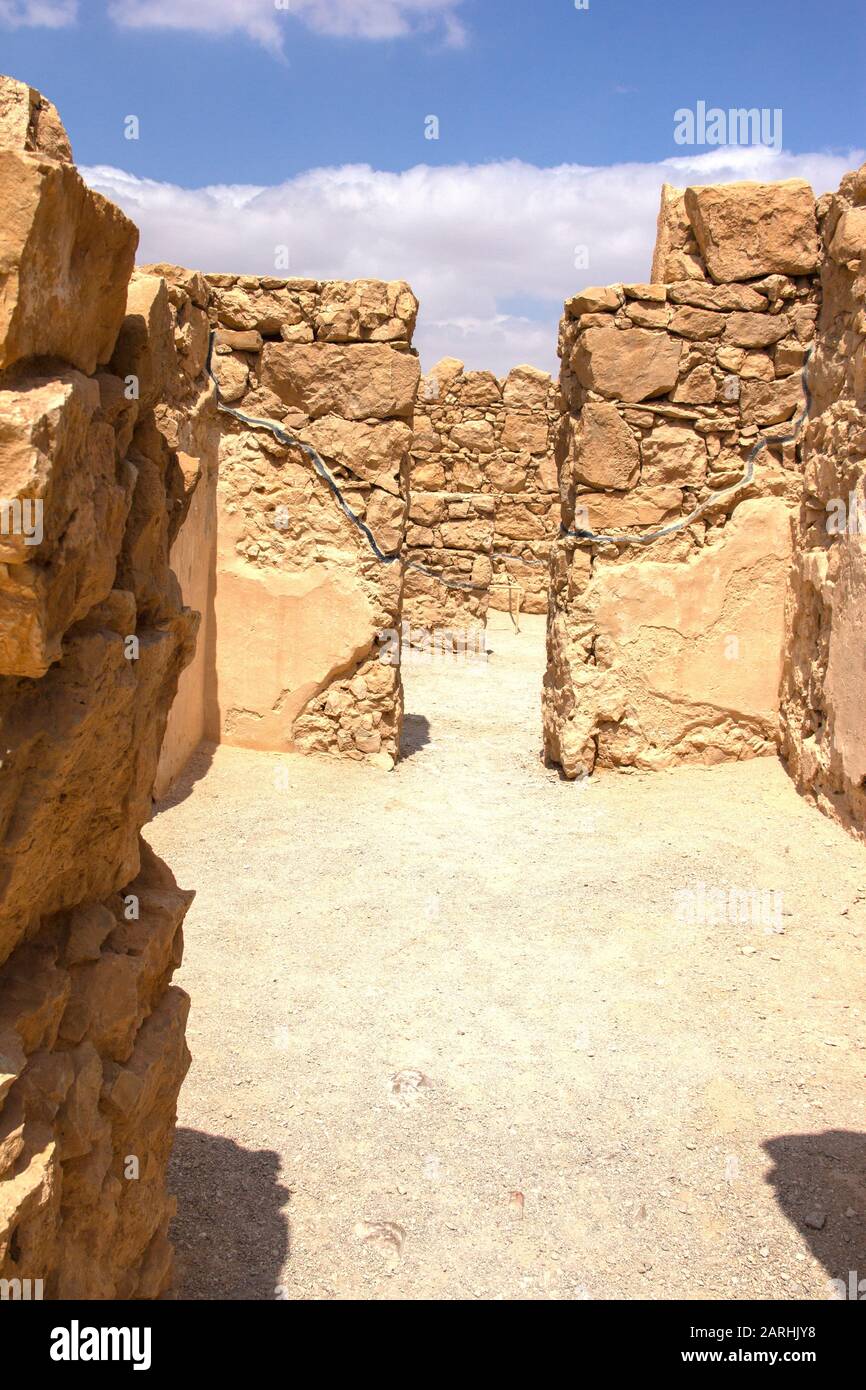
pixel 665 640
pixel 101 444
pixel 303 603
pixel 824 687
pixel 484 506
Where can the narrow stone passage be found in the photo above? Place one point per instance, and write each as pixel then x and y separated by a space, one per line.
pixel 604 1087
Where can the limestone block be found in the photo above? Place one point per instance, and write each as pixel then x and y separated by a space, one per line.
pixel 110 995
pixel 55 456
pixel 378 311
pixel 642 509
pixel 631 364
pixel 527 387
pixel 386 517
pixel 849 238
pixel 145 346
pixel 238 341
pixel 264 310
pixel 529 432
pixel 507 473
pixel 756 330
pixel 697 388
pixel 442 377
pixel 30 122
pixel 769 403
pixel 516 521
pixel 81 748
pixel 477 436
pixel 595 300
pixel 648 314
pixel 232 375
pixel 603 451
pixel 66 255
pixel 745 230
pixel 427 508
pixel 673 454
pixel 675 255
pixel 698 324
pixel 477 389
pixel 362 381
pixel 718 298
pixel 375 452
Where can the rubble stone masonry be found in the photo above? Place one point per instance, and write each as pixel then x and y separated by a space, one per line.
pixel 670 650
pixel 484 505
pixel 301 597
pixel 136 517
pixel 824 686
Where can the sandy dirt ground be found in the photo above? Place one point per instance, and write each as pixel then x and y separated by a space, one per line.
pixel 466 1031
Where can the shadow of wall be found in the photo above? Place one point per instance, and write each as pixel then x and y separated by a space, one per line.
pixel 231 1234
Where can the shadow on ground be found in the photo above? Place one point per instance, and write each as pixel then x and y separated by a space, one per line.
pixel 416 734
pixel 820 1182
pixel 196 769
pixel 231 1234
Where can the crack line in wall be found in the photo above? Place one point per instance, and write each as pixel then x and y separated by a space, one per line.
pixel 292 441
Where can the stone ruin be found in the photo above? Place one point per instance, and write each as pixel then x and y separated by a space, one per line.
pixel 823 716
pixel 299 597
pixel 721 405
pixel 171 572
pixel 484 507
pixel 93 637
pixel 671 651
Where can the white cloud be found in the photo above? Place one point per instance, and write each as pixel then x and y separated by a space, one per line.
pixel 262 20
pixel 43 14
pixel 489 249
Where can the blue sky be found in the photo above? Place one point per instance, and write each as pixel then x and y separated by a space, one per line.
pixel 519 88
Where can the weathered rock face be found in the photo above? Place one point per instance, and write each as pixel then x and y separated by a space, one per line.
pixel 735 231
pixel 823 705
pixel 483 503
pixel 302 600
pixel 173 305
pixel 66 255
pixel 670 650
pixel 31 123
pixel 57 449
pixel 93 638
pixel 744 230
pixel 634 364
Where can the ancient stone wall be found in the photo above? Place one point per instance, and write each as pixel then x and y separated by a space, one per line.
pixel 484 505
pixel 301 597
pixel 173 303
pixel 97 462
pixel 824 689
pixel 669 650
pixel 127 500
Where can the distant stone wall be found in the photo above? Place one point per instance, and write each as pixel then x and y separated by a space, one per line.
pixel 96 447
pixel 670 651
pixel 484 505
pixel 301 599
pixel 824 690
